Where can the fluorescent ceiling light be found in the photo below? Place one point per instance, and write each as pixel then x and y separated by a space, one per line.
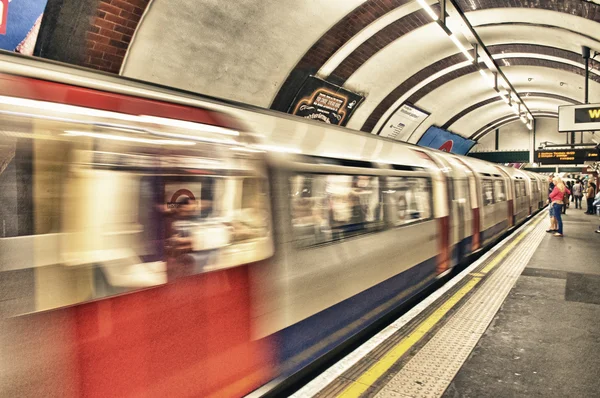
pixel 461 47
pixel 115 137
pixel 487 78
pixel 530 126
pixel 504 97
pixel 428 9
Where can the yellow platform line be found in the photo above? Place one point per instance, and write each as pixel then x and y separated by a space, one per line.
pixel 367 379
pixel 509 248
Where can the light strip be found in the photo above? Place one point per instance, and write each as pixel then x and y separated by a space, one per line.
pixel 96 113
pixel 115 137
pixel 487 78
pixel 187 125
pixel 504 97
pixel 277 148
pixel 428 9
pixel 461 47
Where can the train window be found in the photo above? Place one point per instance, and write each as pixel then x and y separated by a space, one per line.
pixel 499 191
pixel 520 188
pixel 407 200
pixel 487 189
pixel 89 212
pixel 329 207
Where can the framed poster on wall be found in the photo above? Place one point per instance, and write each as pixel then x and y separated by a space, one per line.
pixel 403 122
pixel 320 100
pixel 20 22
pixel 446 141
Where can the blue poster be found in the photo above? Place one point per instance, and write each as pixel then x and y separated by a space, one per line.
pixel 446 141
pixel 20 21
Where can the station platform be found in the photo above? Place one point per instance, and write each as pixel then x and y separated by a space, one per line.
pixel 520 321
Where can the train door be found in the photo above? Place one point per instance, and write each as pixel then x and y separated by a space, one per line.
pixel 511 204
pixel 473 205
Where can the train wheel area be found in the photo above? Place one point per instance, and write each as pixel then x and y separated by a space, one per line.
pixel 520 321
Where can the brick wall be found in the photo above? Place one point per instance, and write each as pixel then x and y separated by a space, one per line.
pixel 110 33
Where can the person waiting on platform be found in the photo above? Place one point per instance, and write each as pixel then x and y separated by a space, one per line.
pixel 591 192
pixel 557 198
pixel 577 193
pixel 553 226
pixel 566 198
pixel 597 206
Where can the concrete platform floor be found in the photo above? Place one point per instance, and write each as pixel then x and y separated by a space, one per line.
pixel 545 340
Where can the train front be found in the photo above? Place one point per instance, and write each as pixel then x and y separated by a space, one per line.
pixel 128 230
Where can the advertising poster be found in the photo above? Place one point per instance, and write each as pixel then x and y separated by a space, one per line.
pixel 20 24
pixel 325 102
pixel 446 141
pixel 403 122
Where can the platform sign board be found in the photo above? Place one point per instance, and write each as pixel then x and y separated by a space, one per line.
pixel 446 141
pixel 403 122
pixel 320 100
pixel 566 156
pixel 20 22
pixel 579 118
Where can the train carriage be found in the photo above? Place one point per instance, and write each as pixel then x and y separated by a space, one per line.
pixel 157 242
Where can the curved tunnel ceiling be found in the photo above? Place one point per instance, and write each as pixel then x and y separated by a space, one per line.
pixel 390 51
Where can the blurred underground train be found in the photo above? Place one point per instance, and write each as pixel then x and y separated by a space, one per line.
pixel 157 243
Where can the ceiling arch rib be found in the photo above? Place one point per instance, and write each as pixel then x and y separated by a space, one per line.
pixel 513 62
pixel 537 26
pixel 370 11
pixel 329 43
pixel 524 95
pixel 454 67
pixel 503 121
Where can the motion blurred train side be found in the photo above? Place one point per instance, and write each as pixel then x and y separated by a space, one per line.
pixel 157 242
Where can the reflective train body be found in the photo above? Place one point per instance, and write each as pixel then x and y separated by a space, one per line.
pixel 160 243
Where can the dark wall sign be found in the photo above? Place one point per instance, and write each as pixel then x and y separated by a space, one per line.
pixel 325 102
pixel 587 115
pixel 567 156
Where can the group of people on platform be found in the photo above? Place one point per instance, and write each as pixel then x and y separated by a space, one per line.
pixel 560 194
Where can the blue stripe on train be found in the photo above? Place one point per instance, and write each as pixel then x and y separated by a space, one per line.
pixel 346 318
pixel 493 231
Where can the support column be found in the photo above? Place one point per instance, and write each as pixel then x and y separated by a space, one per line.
pixel 497 142
pixel 532 143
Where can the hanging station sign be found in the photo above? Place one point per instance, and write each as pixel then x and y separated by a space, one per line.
pixel 579 118
pixel 403 122
pixel 566 156
pixel 325 102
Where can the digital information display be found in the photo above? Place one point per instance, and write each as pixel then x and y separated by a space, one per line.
pixel 567 156
pixel 579 118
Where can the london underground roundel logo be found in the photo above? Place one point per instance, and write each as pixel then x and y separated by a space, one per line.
pixel 180 195
pixel 447 146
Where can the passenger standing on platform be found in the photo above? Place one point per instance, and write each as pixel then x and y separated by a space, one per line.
pixel 577 193
pixel 566 198
pixel 591 192
pixel 553 226
pixel 557 197
pixel 597 206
